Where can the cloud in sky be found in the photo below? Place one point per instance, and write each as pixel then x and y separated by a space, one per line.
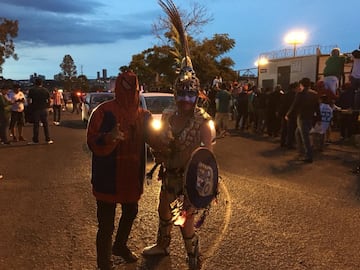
pixel 63 6
pixel 69 22
pixel 93 32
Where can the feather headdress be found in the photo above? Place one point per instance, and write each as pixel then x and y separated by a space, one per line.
pixel 187 79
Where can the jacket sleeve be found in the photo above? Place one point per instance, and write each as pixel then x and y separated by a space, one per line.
pixel 5 104
pixel 99 138
pixel 293 106
pixel 148 130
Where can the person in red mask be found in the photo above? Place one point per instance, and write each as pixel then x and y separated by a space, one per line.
pixel 116 136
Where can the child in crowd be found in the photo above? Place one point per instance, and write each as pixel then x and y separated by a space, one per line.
pixel 318 132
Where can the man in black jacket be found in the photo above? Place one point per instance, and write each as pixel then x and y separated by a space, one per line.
pixel 306 108
pixel 39 98
pixel 242 108
pixel 288 127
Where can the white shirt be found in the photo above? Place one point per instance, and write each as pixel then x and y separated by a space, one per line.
pixel 326 115
pixel 356 68
pixel 18 106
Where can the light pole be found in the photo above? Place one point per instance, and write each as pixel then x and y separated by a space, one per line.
pixel 295 38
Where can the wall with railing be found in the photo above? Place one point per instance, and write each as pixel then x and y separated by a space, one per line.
pixel 298 52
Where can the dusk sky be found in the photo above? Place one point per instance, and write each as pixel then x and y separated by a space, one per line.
pixel 105 34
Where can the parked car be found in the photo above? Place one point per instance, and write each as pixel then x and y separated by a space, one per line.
pixel 92 100
pixel 156 102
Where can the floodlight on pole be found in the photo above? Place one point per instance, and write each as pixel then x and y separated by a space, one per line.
pixel 294 38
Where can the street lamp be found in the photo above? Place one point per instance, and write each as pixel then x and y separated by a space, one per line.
pixel 263 61
pixel 295 38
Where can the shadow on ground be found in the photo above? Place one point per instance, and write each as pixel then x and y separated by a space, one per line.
pixel 74 124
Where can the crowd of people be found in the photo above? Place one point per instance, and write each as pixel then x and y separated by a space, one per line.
pixel 18 107
pixel 280 112
pixel 34 105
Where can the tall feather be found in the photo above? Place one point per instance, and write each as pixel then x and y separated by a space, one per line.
pixel 174 16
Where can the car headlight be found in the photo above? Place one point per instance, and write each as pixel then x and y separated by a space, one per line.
pixel 211 124
pixel 156 124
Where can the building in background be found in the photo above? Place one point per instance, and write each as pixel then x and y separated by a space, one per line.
pixel 282 67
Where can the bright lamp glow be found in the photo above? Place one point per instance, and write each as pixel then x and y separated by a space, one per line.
pixel 261 62
pixel 295 37
pixel 156 124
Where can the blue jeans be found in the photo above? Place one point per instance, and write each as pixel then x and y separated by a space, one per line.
pixel 302 134
pixel 40 115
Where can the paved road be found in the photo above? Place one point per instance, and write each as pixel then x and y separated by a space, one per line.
pixel 272 212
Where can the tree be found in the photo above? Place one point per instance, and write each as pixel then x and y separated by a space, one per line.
pixel 208 59
pixel 192 21
pixel 69 72
pixel 156 66
pixel 68 67
pixel 8 31
pixel 83 83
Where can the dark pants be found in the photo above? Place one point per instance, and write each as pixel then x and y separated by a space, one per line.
pixel 288 128
pixel 4 124
pixel 242 114
pixel 106 217
pixel 76 107
pixel 17 118
pixel 261 120
pixel 273 124
pixel 40 116
pixel 355 86
pixel 252 121
pixel 57 112
pixel 303 136
pixel 348 124
pixel 355 83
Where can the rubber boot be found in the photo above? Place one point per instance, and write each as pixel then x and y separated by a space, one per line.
pixel 192 249
pixel 161 248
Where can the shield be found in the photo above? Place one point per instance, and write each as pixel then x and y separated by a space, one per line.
pixel 201 178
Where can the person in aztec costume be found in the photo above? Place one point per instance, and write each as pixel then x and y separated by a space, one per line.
pixel 185 127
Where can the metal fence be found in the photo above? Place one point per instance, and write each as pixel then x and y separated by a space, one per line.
pixel 298 51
